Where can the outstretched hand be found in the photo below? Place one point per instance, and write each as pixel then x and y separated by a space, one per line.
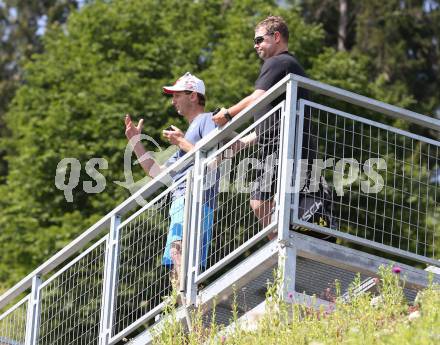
pixel 131 129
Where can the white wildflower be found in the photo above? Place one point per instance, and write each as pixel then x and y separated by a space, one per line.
pixel 376 301
pixel 414 315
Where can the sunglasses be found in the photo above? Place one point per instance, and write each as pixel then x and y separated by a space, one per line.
pixel 260 39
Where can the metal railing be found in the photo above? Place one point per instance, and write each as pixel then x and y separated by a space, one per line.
pixel 116 283
pixel 231 176
pixel 13 324
pixel 71 300
pixel 142 280
pixel 384 196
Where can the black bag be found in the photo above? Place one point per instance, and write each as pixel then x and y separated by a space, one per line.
pixel 316 208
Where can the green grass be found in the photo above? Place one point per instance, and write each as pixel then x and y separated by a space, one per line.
pixel 391 320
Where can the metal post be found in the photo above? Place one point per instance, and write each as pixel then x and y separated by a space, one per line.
pixel 184 266
pixel 287 249
pixel 110 281
pixel 186 223
pixel 33 314
pixel 191 291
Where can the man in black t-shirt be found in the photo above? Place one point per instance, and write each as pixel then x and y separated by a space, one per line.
pixel 271 43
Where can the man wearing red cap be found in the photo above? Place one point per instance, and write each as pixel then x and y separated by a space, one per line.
pixel 188 94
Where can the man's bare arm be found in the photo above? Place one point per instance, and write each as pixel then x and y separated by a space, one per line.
pixel 245 102
pixel 220 118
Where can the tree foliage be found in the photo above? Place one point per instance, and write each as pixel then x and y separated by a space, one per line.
pixel 21 27
pixel 400 40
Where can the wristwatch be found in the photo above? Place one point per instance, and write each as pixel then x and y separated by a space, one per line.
pixel 227 115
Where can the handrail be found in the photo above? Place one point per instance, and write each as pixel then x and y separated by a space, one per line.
pixel 367 102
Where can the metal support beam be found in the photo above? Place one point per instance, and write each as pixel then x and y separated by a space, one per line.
pixel 366 102
pixel 287 250
pixel 33 314
pixel 186 227
pixel 110 281
pixel 196 207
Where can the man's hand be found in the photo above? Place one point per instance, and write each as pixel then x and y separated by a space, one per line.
pixel 177 137
pixel 131 129
pixel 174 136
pixel 219 118
pixel 146 160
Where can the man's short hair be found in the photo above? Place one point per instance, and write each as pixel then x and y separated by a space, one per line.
pixel 201 99
pixel 275 23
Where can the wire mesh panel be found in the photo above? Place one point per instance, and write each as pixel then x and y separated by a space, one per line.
pixel 243 170
pixel 13 324
pixel 71 301
pixel 145 265
pixel 383 190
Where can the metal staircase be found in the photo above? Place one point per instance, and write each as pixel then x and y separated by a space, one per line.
pixel 109 284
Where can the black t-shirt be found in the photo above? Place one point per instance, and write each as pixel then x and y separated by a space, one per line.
pixel 273 70
pixel 276 68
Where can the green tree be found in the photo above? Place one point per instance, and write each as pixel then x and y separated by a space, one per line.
pixel 400 40
pixel 401 37
pixel 337 17
pixel 21 26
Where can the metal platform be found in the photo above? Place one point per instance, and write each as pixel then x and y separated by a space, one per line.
pixel 318 265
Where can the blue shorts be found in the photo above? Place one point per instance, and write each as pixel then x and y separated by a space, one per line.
pixel 175 231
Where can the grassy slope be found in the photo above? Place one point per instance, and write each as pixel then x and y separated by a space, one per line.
pixel 366 319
